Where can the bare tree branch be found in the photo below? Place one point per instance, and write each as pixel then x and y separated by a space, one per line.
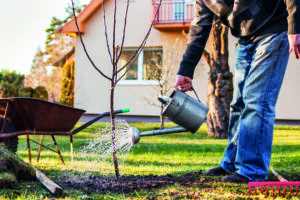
pixel 83 45
pixel 132 60
pixel 140 48
pixel 124 31
pixel 105 27
pixel 114 35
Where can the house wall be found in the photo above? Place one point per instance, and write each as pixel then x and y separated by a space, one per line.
pixel 92 90
pixel 288 107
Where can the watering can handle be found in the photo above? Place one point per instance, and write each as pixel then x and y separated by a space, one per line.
pixel 196 94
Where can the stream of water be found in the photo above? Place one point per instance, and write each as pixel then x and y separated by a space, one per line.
pixel 96 154
pixel 101 143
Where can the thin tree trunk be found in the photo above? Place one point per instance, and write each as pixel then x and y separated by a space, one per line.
pixel 112 115
pixel 219 93
pixel 113 131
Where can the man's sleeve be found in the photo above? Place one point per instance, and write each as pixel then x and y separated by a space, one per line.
pixel 198 36
pixel 293 8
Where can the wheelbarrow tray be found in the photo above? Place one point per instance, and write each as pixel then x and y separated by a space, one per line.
pixel 39 115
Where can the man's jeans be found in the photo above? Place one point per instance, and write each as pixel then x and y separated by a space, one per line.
pixel 259 73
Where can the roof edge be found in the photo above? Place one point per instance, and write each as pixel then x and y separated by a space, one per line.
pixel 70 26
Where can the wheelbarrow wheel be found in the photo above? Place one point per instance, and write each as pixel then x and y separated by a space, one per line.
pixel 10 143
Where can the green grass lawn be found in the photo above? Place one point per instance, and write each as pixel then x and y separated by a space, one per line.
pixel 174 154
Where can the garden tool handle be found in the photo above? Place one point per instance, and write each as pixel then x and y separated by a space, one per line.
pixel 196 94
pixel 280 178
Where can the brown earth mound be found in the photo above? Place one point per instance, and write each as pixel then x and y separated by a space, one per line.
pixel 127 184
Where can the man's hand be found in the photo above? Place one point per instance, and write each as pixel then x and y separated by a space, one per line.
pixel 183 83
pixel 294 41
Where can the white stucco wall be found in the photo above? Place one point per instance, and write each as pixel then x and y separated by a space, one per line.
pixel 92 90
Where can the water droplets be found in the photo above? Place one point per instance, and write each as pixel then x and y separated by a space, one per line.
pixel 96 154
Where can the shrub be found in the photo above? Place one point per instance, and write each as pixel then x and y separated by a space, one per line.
pixel 67 84
pixel 40 92
pixel 12 84
pixel 28 91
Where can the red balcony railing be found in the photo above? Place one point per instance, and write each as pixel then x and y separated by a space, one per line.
pixel 174 11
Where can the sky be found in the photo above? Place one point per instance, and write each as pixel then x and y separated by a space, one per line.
pixel 23 30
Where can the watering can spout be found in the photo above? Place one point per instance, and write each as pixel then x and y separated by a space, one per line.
pixel 163 99
pixel 136 134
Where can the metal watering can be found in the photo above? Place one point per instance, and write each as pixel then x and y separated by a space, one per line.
pixel 181 109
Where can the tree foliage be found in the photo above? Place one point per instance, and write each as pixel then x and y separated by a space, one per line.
pixel 40 92
pixel 67 84
pixel 57 43
pixel 12 84
pixel 56 46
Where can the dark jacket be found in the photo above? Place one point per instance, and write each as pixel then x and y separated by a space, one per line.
pixel 248 20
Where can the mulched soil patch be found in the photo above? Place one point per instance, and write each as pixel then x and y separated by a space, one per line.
pixel 127 184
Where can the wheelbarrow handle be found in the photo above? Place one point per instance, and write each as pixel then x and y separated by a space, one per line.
pixel 97 118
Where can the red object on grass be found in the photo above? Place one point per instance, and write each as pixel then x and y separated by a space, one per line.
pixel 276 185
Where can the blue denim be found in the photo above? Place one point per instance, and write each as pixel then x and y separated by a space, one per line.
pixel 259 72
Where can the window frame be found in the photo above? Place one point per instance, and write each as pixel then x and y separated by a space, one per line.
pixel 140 68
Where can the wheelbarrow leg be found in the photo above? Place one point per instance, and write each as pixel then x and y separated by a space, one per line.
pixel 58 151
pixel 40 148
pixel 72 153
pixel 28 147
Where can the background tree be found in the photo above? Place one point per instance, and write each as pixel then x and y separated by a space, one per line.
pixel 67 84
pixel 38 71
pixel 40 92
pixel 12 84
pixel 220 86
pixel 57 43
pixel 56 46
pixel 45 76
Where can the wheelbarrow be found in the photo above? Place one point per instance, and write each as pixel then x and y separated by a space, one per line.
pixel 30 116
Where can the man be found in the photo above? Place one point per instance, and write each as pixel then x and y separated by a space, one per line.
pixel 267 32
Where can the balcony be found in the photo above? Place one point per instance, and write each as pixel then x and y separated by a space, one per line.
pixel 173 15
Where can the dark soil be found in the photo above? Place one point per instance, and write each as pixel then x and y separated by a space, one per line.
pixel 127 184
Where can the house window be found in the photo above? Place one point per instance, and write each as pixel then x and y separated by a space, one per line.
pixel 178 10
pixel 146 68
pixel 181 9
